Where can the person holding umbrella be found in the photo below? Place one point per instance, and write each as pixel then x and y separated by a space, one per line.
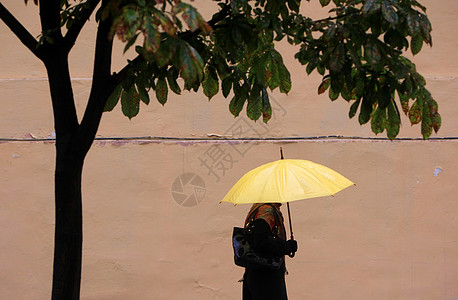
pixel 269 239
pixel 268 186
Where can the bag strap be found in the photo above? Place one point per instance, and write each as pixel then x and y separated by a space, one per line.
pixel 253 213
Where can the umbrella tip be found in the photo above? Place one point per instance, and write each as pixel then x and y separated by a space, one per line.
pixel 281 153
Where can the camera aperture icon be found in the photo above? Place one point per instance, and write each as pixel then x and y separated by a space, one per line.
pixel 188 189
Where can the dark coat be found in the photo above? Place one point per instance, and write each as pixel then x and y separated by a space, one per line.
pixel 267 284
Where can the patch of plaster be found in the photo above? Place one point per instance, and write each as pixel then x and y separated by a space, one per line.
pixel 437 171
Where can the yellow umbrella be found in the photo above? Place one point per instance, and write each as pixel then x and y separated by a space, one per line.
pixel 286 180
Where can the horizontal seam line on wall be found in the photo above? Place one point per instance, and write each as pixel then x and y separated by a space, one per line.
pixel 43 79
pixel 163 138
pixel 430 77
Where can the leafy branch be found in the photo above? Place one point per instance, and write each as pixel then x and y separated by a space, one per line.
pixel 76 18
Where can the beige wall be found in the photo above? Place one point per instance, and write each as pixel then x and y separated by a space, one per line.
pixel 393 236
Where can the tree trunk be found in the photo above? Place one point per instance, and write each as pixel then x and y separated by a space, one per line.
pixel 69 166
pixel 68 232
pixel 73 140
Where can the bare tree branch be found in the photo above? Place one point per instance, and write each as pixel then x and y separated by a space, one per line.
pixel 50 16
pixel 76 27
pixel 19 30
pixel 102 85
pixel 335 18
pixel 121 75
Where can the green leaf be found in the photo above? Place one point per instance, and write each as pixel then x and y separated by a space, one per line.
pixel 130 42
pixel 426 127
pixel 337 82
pixel 366 110
pixel 337 60
pixel 346 94
pixel 321 68
pixel 416 44
pixel 372 53
pixel 210 83
pixel 436 119
pixel 354 108
pixel 416 3
pixel 395 39
pixel 324 85
pixel 359 87
pixel 413 23
pixel 378 121
pixel 294 5
pixel 313 63
pixel 161 90
pixel 190 63
pixel 324 2
pixel 166 52
pixel 195 85
pixel 192 17
pixel 130 102
pixel 126 25
pixel 416 111
pixel 393 123
pixel 404 102
pixel 330 33
pixel 389 14
pixel 236 105
pixel 236 35
pixel 272 74
pixel 384 96
pixel 370 7
pixel 113 98
pixel 152 35
pixel 166 23
pixel 425 26
pixel 259 67
pixel 431 118
pixel 376 27
pixel 172 76
pixel 238 101
pixel 143 94
pixel 355 54
pixel 285 79
pixel 436 122
pixel 189 15
pixel 333 95
pixel 130 15
pixel 254 106
pixel 406 86
pixel 266 107
pixel 226 85
pixel 277 74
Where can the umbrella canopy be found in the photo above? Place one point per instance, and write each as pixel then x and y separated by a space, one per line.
pixel 286 180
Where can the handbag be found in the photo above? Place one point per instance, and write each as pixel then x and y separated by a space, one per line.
pixel 245 256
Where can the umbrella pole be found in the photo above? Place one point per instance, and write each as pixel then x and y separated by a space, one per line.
pixel 290 225
pixel 290 229
pixel 289 212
